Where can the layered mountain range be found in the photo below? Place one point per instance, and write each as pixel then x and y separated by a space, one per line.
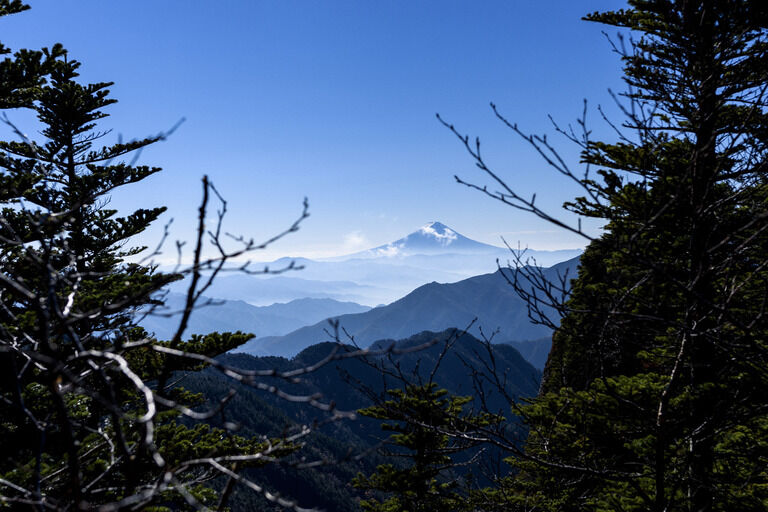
pixel 217 315
pixel 432 279
pixel 486 305
pixel 379 275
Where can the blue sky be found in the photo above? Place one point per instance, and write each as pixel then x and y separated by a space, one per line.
pixel 336 101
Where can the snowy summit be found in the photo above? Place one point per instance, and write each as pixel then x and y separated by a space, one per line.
pixel 440 232
pixel 431 238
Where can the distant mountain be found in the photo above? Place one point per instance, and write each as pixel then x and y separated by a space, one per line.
pixel 452 250
pixel 434 252
pixel 235 315
pixel 266 290
pixel 453 374
pixel 433 307
pixel 535 352
pixel 432 238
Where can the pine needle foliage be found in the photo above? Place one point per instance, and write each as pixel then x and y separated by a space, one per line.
pixel 654 395
pixel 90 411
pixel 424 420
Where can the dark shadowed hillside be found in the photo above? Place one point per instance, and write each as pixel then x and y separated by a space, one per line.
pixel 350 384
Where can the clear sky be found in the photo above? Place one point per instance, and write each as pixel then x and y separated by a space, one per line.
pixel 336 101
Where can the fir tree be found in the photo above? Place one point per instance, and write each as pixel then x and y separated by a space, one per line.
pixel 425 421
pixel 89 414
pixel 654 393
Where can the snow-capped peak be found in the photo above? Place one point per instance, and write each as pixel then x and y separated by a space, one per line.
pixel 440 232
pixel 432 238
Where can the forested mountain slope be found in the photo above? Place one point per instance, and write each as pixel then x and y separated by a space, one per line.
pixel 350 384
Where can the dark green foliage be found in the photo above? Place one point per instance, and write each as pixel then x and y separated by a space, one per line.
pixel 87 414
pixel 351 384
pixel 418 415
pixel 654 395
pixel 23 74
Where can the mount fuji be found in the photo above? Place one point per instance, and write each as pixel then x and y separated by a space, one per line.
pixel 432 238
pixel 380 275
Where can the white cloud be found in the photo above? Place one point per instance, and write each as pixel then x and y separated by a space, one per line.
pixel 446 237
pixel 389 251
pixel 355 241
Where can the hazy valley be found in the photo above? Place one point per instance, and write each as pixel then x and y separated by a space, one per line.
pixel 430 280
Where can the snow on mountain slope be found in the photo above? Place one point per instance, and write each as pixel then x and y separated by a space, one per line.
pixel 432 238
pixel 383 274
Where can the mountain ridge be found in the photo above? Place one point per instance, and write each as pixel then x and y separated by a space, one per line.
pixel 348 383
pixel 236 315
pixel 484 304
pixel 381 275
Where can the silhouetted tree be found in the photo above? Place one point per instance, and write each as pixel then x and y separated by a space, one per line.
pixel 654 395
pixel 91 411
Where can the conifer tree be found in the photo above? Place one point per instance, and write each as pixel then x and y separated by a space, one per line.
pixel 89 413
pixel 654 395
pixel 424 420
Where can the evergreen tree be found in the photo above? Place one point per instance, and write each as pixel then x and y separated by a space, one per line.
pixel 89 414
pixel 22 74
pixel 654 395
pixel 425 421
